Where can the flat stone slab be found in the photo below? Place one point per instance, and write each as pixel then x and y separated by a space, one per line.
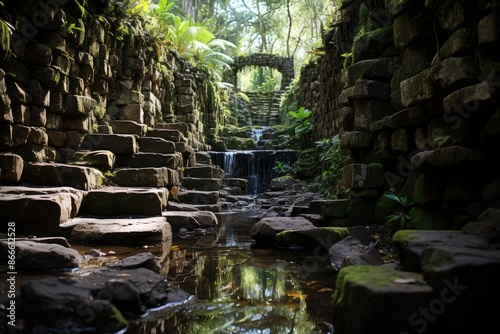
pixel 141 160
pixel 204 172
pixel 124 202
pixel 199 197
pixel 410 244
pixel 203 184
pixel 169 134
pixel 156 145
pixel 118 144
pixel 266 229
pixel 32 255
pixel 315 238
pixel 35 214
pixel 76 194
pixel 142 177
pixel 190 219
pixel 128 127
pixel 55 175
pixel 118 230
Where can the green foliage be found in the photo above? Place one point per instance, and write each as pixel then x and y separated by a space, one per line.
pixel 302 126
pixel 347 56
pixel 282 168
pixel 401 216
pixel 5 33
pixel 333 161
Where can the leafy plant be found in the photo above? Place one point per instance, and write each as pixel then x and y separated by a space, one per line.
pixel 346 56
pixel 400 215
pixel 302 117
pixel 5 32
pixel 333 160
pixel 281 168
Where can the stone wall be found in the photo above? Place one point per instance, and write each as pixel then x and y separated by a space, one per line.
pixel 75 71
pixel 416 104
pixel 285 65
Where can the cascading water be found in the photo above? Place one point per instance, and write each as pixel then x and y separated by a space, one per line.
pixel 257 133
pixel 256 166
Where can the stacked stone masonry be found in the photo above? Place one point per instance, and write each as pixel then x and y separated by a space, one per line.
pixel 416 96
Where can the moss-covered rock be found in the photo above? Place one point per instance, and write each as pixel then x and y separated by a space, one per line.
pixel 238 143
pixel 367 299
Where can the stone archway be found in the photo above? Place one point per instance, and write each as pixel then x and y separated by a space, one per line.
pixel 264 107
pixel 284 65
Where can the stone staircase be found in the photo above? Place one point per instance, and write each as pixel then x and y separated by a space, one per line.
pixel 264 108
pixel 124 184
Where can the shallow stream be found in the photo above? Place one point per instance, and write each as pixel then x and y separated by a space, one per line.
pixel 237 287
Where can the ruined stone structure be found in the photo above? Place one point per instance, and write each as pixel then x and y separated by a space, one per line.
pixel 264 107
pixel 73 73
pixel 283 64
pixel 415 105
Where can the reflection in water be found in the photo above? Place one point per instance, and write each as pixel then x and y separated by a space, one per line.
pixel 241 289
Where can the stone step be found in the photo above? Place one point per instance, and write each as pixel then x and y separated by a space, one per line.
pixel 116 143
pixel 128 127
pixel 190 219
pixel 146 177
pixel 38 213
pixel 204 171
pixel 156 145
pixel 124 202
pixel 185 128
pixel 139 160
pixel 204 184
pixel 103 160
pixel 117 230
pixel 169 134
pixel 61 175
pixel 198 197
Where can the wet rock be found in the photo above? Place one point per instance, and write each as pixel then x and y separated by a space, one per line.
pixel 102 300
pixel 190 220
pixel 314 238
pixel 351 251
pixel 265 230
pixel 142 260
pixel 32 255
pixel 142 160
pixel 118 231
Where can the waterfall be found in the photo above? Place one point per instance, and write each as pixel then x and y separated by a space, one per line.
pixel 257 133
pixel 256 166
